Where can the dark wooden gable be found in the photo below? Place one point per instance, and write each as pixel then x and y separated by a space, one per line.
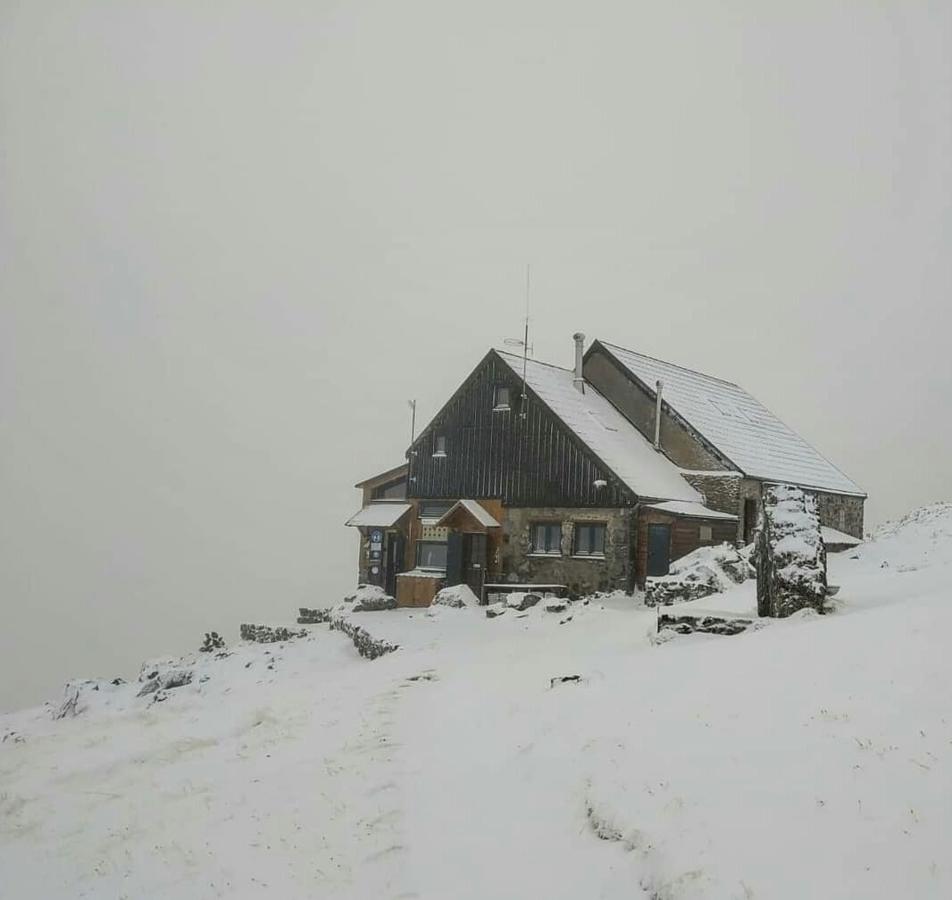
pixel 533 460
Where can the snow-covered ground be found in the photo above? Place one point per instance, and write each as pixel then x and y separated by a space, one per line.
pixel 811 757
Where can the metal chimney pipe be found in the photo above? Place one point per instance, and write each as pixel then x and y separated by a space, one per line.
pixel 578 380
pixel 659 387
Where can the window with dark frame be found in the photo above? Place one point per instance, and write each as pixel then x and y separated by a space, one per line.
pixel 501 400
pixel 434 509
pixel 439 445
pixel 589 539
pixel 396 490
pixel 547 538
pixel 431 555
pixel 705 533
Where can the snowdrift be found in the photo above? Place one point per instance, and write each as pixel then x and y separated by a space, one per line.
pixel 533 754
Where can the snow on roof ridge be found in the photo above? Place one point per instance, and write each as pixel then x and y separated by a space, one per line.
pixel 748 434
pixel 667 363
pixel 540 362
pixel 609 436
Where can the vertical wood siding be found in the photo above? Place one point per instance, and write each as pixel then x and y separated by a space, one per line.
pixel 531 461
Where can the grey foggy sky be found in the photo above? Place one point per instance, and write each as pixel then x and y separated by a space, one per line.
pixel 235 238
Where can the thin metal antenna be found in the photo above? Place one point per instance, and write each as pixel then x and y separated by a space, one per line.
pixel 525 352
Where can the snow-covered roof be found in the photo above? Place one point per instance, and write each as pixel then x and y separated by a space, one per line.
pixel 690 510
pixel 737 424
pixel 395 472
pixel 605 431
pixel 832 536
pixel 474 509
pixel 379 515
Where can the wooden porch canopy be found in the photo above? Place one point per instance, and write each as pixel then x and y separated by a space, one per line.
pixel 467 516
pixel 379 515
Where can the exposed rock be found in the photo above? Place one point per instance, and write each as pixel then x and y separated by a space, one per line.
pixel 370 598
pixel 564 679
pixel 522 601
pixel 213 641
pixel 705 571
pixel 166 681
pixel 555 605
pixel 456 597
pixel 790 556
pixel 495 609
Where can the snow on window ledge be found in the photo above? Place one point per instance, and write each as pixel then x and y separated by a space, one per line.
pixel 440 454
pixel 593 556
pixel 542 554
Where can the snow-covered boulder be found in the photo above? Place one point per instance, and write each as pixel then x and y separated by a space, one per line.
pixel 522 601
pixel 164 676
pixel 457 596
pixel 495 609
pixel 370 598
pixel 790 556
pixel 555 605
pixel 705 571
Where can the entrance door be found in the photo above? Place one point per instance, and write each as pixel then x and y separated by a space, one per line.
pixel 659 549
pixel 394 562
pixel 750 520
pixel 474 562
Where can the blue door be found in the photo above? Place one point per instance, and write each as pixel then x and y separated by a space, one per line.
pixel 659 549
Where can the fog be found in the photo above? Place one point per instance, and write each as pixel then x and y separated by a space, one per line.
pixel 235 239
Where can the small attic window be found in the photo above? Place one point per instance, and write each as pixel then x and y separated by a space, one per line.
pixel 439 445
pixel 501 398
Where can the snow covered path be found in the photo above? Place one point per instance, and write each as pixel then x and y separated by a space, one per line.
pixel 811 757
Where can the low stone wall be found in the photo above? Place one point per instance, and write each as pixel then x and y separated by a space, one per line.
pixel 266 634
pixel 687 624
pixel 314 616
pixel 367 646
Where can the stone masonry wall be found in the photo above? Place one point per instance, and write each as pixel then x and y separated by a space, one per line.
pixel 721 492
pixel 841 512
pixel 582 575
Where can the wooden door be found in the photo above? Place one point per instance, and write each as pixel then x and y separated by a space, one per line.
pixel 659 550
pixel 474 562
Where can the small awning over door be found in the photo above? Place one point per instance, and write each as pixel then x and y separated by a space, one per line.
pixel 379 515
pixel 467 515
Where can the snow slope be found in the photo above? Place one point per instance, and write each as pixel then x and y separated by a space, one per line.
pixel 811 757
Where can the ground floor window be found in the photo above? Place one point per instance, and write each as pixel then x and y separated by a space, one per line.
pixel 431 554
pixel 547 537
pixel 705 533
pixel 589 539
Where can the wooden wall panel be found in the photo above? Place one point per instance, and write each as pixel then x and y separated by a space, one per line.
pixel 523 461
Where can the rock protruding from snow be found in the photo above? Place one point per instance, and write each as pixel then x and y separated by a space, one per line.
pixel 495 609
pixel 522 601
pixel 370 598
pixel 790 557
pixel 456 597
pixel 705 571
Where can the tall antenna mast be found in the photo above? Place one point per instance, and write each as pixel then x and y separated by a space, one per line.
pixel 525 352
